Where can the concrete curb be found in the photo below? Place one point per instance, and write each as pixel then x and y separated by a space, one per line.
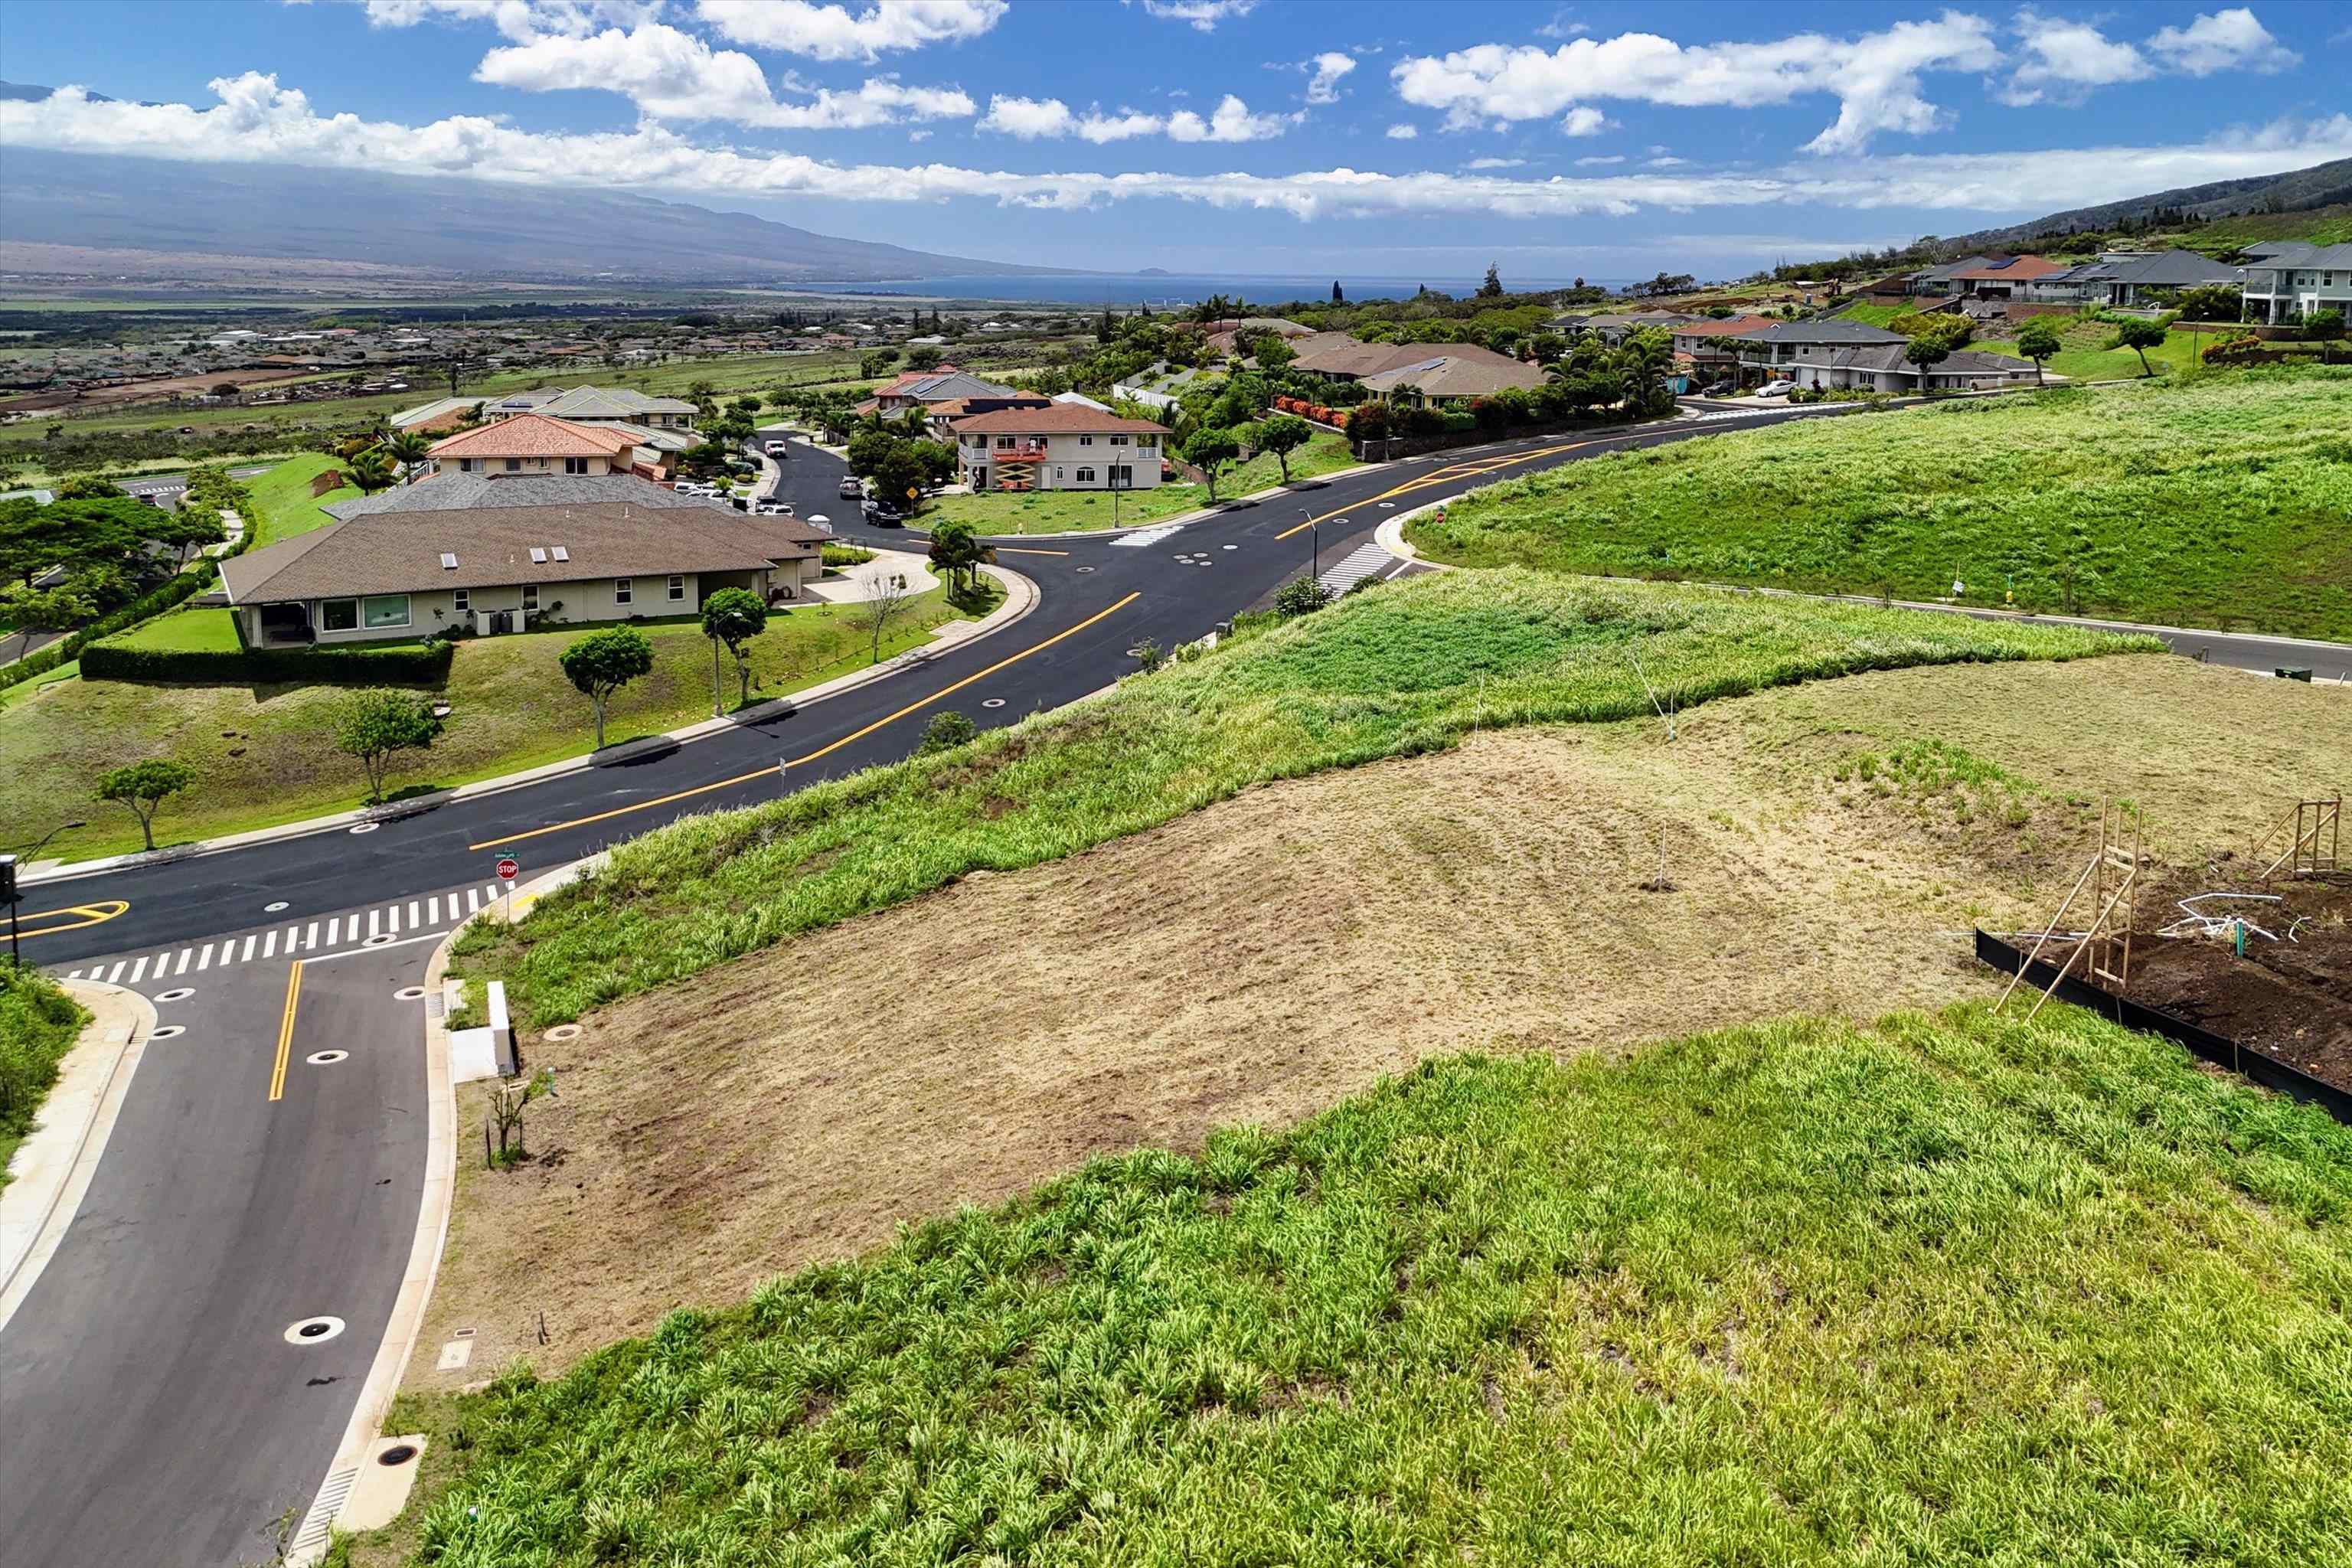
pixel 402 1330
pixel 58 1160
pixel 1390 536
pixel 1020 597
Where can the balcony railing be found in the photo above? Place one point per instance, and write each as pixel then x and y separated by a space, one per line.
pixel 1028 452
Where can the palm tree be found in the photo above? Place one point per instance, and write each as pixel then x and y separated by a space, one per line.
pixel 409 449
pixel 371 470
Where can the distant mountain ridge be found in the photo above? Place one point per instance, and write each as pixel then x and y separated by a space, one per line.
pixel 469 228
pixel 2300 189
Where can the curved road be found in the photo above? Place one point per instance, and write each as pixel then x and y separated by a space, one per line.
pixel 157 1410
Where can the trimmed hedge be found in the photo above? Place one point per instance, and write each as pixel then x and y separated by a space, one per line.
pixel 426 665
pixel 186 585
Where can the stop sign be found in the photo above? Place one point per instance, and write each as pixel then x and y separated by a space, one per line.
pixel 507 869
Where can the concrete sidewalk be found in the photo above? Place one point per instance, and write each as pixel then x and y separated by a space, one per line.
pixel 52 1167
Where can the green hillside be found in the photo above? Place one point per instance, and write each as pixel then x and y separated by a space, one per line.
pixel 2214 500
pixel 1949 1289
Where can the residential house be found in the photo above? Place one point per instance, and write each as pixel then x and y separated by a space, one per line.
pixel 395 575
pixel 1615 327
pixel 2141 279
pixel 1882 367
pixel 1941 282
pixel 455 492
pixel 1458 374
pixel 1058 446
pixel 535 444
pixel 1780 348
pixel 1223 333
pixel 1162 385
pixel 1704 348
pixel 595 405
pixel 2286 282
pixel 440 415
pixel 2004 278
pixel 943 396
pixel 1352 361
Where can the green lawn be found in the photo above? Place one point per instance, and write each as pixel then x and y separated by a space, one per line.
pixel 2086 356
pixel 38 1024
pixel 2216 500
pixel 282 496
pixel 1945 1289
pixel 1872 315
pixel 1408 667
pixel 265 754
pixel 186 630
pixel 1072 511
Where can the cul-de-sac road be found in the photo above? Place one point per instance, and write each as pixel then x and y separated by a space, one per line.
pixel 156 1409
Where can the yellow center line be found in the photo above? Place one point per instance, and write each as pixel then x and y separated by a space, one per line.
pixel 285 1032
pixel 91 914
pixel 1465 471
pixel 913 706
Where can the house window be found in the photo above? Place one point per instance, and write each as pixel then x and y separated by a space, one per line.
pixel 1122 476
pixel 1005 443
pixel 462 601
pixel 620 589
pixel 531 596
pixel 468 465
pixel 339 615
pixel 1119 440
pixel 1086 475
pixel 676 587
pixel 514 465
pixel 575 465
pixel 384 610
pixel 1085 440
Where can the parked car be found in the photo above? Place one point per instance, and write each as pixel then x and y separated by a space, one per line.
pixel 774 508
pixel 883 516
pixel 850 488
pixel 1776 389
pixel 1717 388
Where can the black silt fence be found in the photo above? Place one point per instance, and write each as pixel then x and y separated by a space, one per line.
pixel 2268 1072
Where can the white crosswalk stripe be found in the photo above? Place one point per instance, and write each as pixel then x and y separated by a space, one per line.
pixel 1365 560
pixel 408 917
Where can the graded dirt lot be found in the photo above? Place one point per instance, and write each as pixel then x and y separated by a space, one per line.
pixel 1830 846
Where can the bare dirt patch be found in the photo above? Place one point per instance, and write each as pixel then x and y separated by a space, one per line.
pixel 1261 959
pixel 2288 996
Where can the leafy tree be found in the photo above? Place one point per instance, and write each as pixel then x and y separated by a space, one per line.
pixel 410 449
pixel 1300 596
pixel 1926 351
pixel 1211 450
pixel 2212 303
pixel 874 362
pixel 371 470
pixel 88 487
pixel 185 530
pixel 946 732
pixel 2139 337
pixel 603 662
pixel 2038 341
pixel 376 725
pixel 1337 298
pixel 704 396
pixel 142 787
pixel 732 618
pixel 72 535
pixel 898 478
pixel 1640 363
pixel 47 610
pixel 924 356
pixel 2324 325
pixel 1492 287
pixel 1273 353
pixel 1283 434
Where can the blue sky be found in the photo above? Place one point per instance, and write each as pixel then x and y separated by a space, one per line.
pixel 1222 135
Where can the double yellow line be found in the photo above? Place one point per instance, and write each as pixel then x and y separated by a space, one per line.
pixel 74 916
pixel 914 707
pixel 285 1032
pixel 1469 469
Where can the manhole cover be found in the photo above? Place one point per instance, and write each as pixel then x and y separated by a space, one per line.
pixel 273 909
pixel 398 1454
pixel 325 1058
pixel 1388 503
pixel 176 993
pixel 1082 568
pixel 366 828
pixel 994 703
pixel 169 1032
pixel 408 994
pixel 313 1331
pixel 565 1032
pixel 379 940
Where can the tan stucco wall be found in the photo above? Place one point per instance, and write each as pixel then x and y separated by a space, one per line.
pixel 584 602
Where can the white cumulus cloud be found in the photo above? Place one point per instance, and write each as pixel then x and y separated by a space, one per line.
pixel 1205 14
pixel 2064 58
pixel 1042 118
pixel 2226 40
pixel 518 20
pixel 1874 77
pixel 1323 86
pixel 839 33
pixel 1403 133
pixel 1583 121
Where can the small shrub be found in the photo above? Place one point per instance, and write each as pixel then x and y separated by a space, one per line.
pixel 945 732
pixel 1300 596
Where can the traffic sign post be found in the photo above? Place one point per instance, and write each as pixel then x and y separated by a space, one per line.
pixel 509 869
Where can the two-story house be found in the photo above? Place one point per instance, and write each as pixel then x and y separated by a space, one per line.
pixel 1059 446
pixel 535 444
pixel 595 405
pixel 2290 281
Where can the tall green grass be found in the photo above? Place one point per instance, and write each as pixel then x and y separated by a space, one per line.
pixel 1952 1290
pixel 38 1024
pixel 1410 668
pixel 2216 502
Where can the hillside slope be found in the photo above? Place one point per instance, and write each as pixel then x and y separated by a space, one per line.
pixel 465 227
pixel 2296 191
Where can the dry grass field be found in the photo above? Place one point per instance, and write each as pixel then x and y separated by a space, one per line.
pixel 1257 961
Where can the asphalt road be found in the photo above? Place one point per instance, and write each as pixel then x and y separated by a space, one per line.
pixel 155 1411
pixel 173 1419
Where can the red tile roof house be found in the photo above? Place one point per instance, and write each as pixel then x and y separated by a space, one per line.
pixel 2006 279
pixel 1060 447
pixel 1707 345
pixel 536 443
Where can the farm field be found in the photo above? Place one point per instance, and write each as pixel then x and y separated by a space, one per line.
pixel 266 755
pixel 1074 511
pixel 1931 1282
pixel 2216 500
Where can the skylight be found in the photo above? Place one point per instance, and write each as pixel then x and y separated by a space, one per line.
pixel 449 562
pixel 561 553
pixel 538 556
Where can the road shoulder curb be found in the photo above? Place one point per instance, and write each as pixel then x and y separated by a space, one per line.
pixel 60 1156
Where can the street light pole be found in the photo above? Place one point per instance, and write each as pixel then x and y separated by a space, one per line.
pixel 1314 547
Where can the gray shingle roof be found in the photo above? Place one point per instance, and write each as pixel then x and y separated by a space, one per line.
pixel 2303 257
pixel 401 553
pixel 465 492
pixel 1802 332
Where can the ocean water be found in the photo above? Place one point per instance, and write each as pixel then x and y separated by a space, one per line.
pixel 1126 290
